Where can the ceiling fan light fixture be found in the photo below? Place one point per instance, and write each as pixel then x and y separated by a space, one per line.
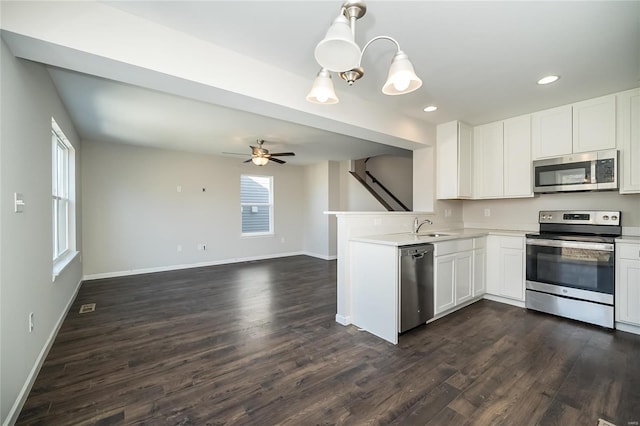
pixel 322 91
pixel 260 161
pixel 338 51
pixel 402 78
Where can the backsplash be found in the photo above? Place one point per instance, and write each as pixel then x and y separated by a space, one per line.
pixel 522 213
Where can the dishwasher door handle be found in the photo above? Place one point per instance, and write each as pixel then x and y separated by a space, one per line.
pixel 418 255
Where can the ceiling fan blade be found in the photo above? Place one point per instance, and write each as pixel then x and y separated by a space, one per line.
pixel 248 161
pixel 283 154
pixel 234 153
pixel 277 160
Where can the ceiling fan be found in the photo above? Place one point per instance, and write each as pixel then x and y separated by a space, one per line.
pixel 261 156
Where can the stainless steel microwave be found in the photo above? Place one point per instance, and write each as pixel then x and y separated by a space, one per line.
pixel 589 171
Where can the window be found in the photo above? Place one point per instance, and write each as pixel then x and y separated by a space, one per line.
pixel 63 195
pixel 256 204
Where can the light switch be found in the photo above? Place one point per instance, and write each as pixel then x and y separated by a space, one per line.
pixel 18 202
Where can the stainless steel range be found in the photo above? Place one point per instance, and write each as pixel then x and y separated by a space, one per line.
pixel 571 265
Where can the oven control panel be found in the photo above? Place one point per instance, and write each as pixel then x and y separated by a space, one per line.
pixel 580 217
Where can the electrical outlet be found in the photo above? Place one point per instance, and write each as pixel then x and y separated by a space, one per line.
pixel 282 240
pixel 179 248
pixel 199 247
pixel 447 212
pixel 487 212
pixel 31 325
pixel 179 188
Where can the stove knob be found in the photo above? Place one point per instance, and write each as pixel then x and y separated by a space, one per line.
pixel 614 217
pixel 605 217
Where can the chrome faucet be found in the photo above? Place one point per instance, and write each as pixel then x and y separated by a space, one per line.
pixel 417 224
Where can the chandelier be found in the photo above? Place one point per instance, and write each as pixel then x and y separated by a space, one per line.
pixel 338 52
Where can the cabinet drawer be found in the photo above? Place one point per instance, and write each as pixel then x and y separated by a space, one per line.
pixel 628 251
pixel 453 246
pixel 512 242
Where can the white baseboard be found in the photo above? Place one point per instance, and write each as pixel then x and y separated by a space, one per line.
pixel 342 320
pixel 506 300
pixel 199 265
pixel 14 412
pixel 319 256
pixel 629 328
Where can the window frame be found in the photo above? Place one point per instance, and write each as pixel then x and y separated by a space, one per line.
pixel 62 195
pixel 271 230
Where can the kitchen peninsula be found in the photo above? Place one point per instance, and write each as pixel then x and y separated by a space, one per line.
pixel 368 267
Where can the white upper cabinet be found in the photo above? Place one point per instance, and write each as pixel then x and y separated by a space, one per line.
pixel 628 119
pixel 581 127
pixel 502 159
pixel 594 124
pixel 453 160
pixel 551 132
pixel 488 166
pixel 517 157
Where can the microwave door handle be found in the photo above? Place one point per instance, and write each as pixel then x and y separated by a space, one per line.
pixel 570 244
pixel 593 172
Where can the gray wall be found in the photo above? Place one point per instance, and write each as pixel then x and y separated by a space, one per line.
pixel 396 174
pixel 135 218
pixel 29 100
pixel 322 189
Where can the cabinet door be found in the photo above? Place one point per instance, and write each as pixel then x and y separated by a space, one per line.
pixel 551 132
pixel 517 157
pixel 463 276
pixel 594 124
pixel 629 140
pixel 447 160
pixel 628 290
pixel 444 286
pixel 512 273
pixel 465 166
pixel 479 265
pixel 488 160
pixel 453 161
pixel 492 274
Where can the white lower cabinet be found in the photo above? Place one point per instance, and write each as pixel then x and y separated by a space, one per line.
pixel 506 277
pixel 457 267
pixel 628 283
pixel 444 286
pixel 479 267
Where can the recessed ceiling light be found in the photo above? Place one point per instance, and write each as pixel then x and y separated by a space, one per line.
pixel 548 79
pixel 430 108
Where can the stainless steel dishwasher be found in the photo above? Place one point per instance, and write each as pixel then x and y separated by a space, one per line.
pixel 416 286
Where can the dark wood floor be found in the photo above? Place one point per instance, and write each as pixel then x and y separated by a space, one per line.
pixel 256 343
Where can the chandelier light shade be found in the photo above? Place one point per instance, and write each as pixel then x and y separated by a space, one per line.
pixel 259 161
pixel 402 78
pixel 322 91
pixel 338 50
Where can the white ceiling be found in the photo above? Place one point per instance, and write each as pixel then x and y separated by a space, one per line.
pixel 479 62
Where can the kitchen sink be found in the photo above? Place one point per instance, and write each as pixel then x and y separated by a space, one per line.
pixel 434 234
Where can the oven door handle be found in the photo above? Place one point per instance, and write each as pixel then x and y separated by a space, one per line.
pixel 570 244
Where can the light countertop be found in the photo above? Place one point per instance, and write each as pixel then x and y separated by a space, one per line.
pixel 406 238
pixel 635 239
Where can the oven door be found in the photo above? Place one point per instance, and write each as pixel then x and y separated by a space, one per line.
pixel 584 266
